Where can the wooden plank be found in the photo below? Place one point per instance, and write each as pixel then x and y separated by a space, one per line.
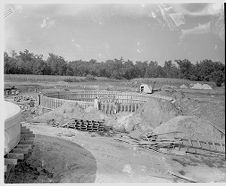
pixel 190 142
pixel 214 146
pixel 19 156
pixel 26 132
pixel 183 177
pixel 10 161
pixel 27 135
pixel 23 127
pixel 199 144
pixel 29 139
pixel 24 146
pixel 21 150
pixel 223 147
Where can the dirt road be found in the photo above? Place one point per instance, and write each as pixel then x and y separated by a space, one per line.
pixel 67 156
pixel 74 156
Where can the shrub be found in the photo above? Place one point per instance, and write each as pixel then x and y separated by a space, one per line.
pixel 70 80
pixel 218 78
pixel 90 78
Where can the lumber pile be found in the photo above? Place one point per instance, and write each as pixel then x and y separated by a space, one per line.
pixel 178 146
pixel 84 125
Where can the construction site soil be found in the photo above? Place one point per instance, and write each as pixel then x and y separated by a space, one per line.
pixel 71 156
pixel 85 157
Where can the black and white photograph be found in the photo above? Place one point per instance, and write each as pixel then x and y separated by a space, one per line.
pixel 113 92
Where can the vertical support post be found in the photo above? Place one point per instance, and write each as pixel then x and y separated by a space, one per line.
pixel 39 99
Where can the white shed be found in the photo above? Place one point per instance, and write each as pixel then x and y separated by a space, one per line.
pixel 144 88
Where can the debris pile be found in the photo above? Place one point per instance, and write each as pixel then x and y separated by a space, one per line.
pixel 190 127
pixel 200 86
pixel 164 143
pixel 150 115
pixel 156 111
pixel 24 98
pixel 67 111
pixel 61 114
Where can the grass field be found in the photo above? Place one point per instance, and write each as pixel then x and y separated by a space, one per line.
pixel 45 78
pixel 54 78
pixel 75 82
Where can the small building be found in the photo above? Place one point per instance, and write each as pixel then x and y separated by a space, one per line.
pixel 144 88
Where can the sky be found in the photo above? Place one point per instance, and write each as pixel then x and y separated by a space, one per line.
pixel 139 32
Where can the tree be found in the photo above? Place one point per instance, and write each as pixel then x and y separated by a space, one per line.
pixel 28 63
pixel 56 64
pixel 186 69
pixel 218 77
pixel 170 70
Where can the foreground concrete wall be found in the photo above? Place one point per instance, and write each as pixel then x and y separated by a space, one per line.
pixel 12 126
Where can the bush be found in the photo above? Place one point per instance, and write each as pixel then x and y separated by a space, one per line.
pixel 90 78
pixel 218 78
pixel 70 80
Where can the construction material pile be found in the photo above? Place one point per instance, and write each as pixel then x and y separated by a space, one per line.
pixel 201 86
pixel 24 98
pixel 67 111
pixel 174 145
pixel 190 127
pixel 83 125
pixel 156 111
pixel 149 116
pixel 213 111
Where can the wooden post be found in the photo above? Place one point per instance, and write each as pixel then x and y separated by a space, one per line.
pixel 19 156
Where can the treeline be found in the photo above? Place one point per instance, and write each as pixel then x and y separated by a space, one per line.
pixel 29 63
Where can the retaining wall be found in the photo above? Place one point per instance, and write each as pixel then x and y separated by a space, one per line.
pixel 110 101
pixel 125 102
pixel 12 126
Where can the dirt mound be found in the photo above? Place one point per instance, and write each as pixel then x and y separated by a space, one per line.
pixel 68 111
pixel 211 109
pixel 200 86
pixel 151 115
pixel 206 86
pixel 183 86
pixel 62 114
pixel 156 111
pixel 126 122
pixel 190 127
pixel 91 113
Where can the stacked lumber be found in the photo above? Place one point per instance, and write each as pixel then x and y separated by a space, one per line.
pixel 85 125
pixel 179 146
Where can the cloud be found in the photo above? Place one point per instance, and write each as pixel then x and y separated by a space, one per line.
pixel 200 29
pixel 18 8
pixel 47 23
pixel 153 15
pixel 207 9
pixel 218 26
pixel 106 10
pixel 139 51
pixel 177 18
pixel 170 17
pixel 76 44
